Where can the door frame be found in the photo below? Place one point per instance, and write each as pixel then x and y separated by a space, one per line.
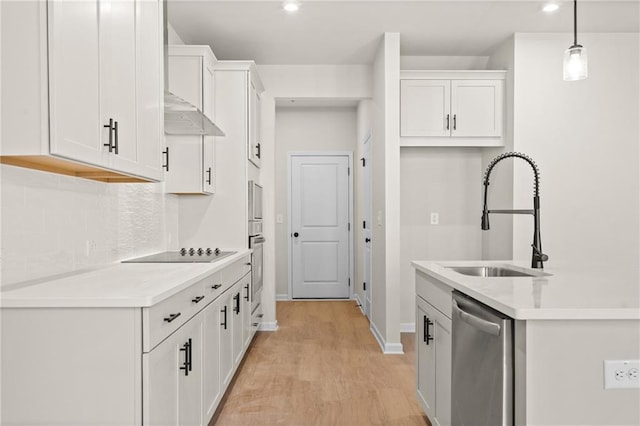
pixel 368 308
pixel 290 155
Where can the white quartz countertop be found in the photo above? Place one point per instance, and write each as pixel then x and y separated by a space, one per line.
pixel 566 292
pixel 118 285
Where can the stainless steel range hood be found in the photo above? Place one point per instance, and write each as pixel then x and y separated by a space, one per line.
pixel 181 117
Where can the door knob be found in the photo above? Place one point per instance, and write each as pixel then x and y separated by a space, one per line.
pixel 367 240
pixel 295 234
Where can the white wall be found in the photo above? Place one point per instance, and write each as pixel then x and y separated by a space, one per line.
pixel 305 129
pixel 584 136
pixel 446 181
pixel 302 82
pixel 444 62
pixel 49 220
pixel 497 242
pixel 317 81
pixel 385 243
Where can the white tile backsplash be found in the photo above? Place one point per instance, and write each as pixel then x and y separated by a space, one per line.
pixel 53 224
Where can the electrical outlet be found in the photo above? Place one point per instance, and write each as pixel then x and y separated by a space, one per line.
pixel 435 218
pixel 622 374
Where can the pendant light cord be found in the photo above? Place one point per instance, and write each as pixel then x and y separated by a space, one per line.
pixel 575 22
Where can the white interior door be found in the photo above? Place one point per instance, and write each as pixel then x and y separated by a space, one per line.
pixel 366 222
pixel 319 201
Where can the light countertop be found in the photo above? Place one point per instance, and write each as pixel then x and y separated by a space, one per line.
pixel 566 292
pixel 118 285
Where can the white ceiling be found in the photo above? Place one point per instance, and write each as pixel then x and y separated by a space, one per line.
pixel 347 32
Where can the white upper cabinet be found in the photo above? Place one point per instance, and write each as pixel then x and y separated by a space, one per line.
pixel 476 108
pixel 97 69
pixel 74 81
pixel 447 108
pixel 191 158
pixel 254 140
pixel 425 106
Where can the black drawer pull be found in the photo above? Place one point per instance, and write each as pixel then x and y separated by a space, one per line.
pixel 246 287
pixel 248 264
pixel 217 286
pixel 197 299
pixel 236 308
pixel 171 317
pixel 260 316
pixel 255 324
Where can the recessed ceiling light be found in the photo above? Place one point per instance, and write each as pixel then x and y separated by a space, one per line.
pixel 291 5
pixel 550 7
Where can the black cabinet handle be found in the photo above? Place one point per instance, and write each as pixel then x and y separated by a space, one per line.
pixel 185 364
pixel 110 127
pixel 171 317
pixel 367 240
pixel 447 121
pixel 260 316
pixel 217 286
pixel 236 298
pixel 224 311
pixel 295 234
pixel 246 287
pixel 209 176
pixel 197 299
pixel 248 264
pixel 454 121
pixel 258 150
pixel 166 165
pixel 427 336
pixel 115 129
pixel 255 324
pixel 190 353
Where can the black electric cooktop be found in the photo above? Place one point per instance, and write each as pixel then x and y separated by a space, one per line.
pixel 183 256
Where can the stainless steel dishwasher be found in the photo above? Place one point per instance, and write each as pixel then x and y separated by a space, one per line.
pixel 482 364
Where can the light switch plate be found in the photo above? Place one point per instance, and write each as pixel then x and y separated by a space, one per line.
pixel 622 374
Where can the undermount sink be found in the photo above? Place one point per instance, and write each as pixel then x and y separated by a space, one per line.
pixel 490 271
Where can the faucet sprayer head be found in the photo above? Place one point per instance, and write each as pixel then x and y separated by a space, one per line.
pixel 485 220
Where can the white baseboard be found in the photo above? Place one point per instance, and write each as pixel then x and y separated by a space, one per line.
pixel 387 348
pixel 268 326
pixel 407 327
pixel 360 304
pixel 284 296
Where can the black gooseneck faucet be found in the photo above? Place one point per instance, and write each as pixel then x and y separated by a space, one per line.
pixel 537 257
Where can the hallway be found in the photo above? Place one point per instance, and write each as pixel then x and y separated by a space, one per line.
pixel 322 367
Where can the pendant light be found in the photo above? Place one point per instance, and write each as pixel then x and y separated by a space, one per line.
pixel 575 57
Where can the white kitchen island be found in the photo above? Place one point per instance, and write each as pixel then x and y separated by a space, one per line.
pixel 127 344
pixel 567 323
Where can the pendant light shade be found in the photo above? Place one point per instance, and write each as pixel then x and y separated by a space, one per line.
pixel 575 57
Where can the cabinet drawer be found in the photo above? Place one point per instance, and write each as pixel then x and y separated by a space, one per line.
pixel 236 270
pixel 435 292
pixel 160 320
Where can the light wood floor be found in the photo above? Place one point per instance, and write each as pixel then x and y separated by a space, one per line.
pixel 322 367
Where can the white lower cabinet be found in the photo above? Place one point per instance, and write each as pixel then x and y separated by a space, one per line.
pixel 172 385
pixel 166 364
pixel 237 322
pixel 211 347
pixel 433 350
pixel 226 339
